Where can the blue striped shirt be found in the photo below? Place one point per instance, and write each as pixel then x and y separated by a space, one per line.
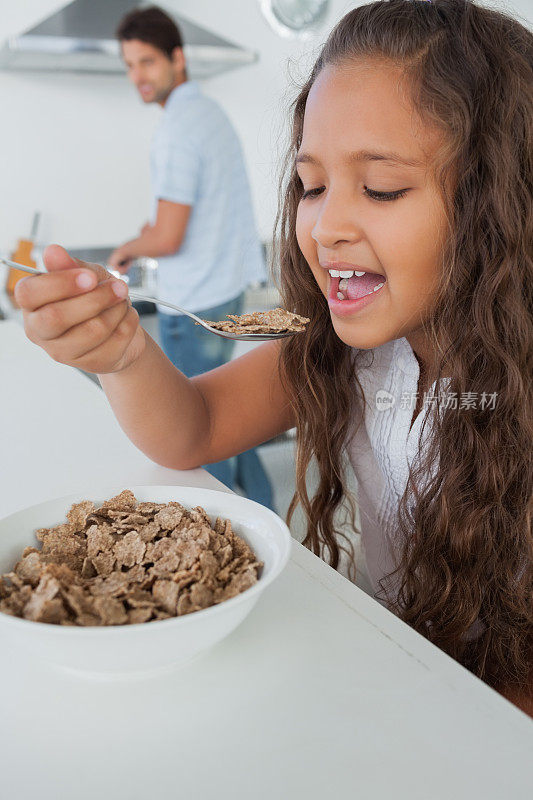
pixel 197 160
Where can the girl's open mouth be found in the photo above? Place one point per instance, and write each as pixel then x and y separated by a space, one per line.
pixel 347 295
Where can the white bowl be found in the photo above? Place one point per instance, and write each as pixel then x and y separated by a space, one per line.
pixel 151 646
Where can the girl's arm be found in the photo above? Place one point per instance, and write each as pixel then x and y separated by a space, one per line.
pixel 80 316
pixel 182 423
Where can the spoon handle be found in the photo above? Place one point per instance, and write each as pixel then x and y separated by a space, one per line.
pixel 22 267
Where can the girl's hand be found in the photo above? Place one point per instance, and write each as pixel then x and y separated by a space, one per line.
pixel 80 315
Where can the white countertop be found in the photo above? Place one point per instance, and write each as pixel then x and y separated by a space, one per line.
pixel 320 691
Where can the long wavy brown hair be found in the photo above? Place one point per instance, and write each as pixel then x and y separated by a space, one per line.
pixel 465 544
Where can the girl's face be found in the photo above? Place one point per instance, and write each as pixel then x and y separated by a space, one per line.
pixel 370 205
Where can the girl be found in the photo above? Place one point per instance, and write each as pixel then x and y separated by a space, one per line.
pixel 405 236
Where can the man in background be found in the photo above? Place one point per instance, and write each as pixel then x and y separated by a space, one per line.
pixel 202 230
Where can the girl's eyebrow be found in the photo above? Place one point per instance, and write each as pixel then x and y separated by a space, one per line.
pixel 364 155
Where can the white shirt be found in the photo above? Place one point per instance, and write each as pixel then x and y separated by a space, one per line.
pixel 384 447
pixel 196 159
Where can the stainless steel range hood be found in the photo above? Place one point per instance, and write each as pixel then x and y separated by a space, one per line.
pixel 80 38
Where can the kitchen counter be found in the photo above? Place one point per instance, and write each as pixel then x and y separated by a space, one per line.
pixel 319 692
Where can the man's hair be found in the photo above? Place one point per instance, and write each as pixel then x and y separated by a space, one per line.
pixel 153 26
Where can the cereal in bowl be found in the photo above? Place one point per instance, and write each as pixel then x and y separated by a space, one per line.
pixel 128 562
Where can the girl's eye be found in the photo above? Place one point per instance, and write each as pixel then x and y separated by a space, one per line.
pixel 312 192
pixel 374 195
pixel 385 195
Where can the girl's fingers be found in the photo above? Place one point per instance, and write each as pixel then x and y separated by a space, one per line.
pixel 40 290
pixel 66 277
pixel 57 258
pixel 80 315
pixel 53 320
pixel 125 343
pixel 87 336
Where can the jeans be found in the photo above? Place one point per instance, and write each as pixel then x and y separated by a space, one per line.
pixel 194 350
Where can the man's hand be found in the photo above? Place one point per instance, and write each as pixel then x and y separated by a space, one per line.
pixel 120 259
pixel 80 315
pixel 161 239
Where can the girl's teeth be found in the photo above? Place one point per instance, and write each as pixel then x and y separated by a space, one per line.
pixel 340 296
pixel 378 286
pixel 343 285
pixel 344 273
pixel 347 273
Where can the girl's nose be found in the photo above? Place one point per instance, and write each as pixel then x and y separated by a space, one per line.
pixel 334 224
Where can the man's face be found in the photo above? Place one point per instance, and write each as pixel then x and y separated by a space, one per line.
pixel 152 71
pixel 368 212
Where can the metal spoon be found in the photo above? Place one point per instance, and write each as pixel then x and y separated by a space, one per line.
pixel 246 337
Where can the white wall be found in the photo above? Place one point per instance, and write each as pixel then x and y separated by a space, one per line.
pixel 75 147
